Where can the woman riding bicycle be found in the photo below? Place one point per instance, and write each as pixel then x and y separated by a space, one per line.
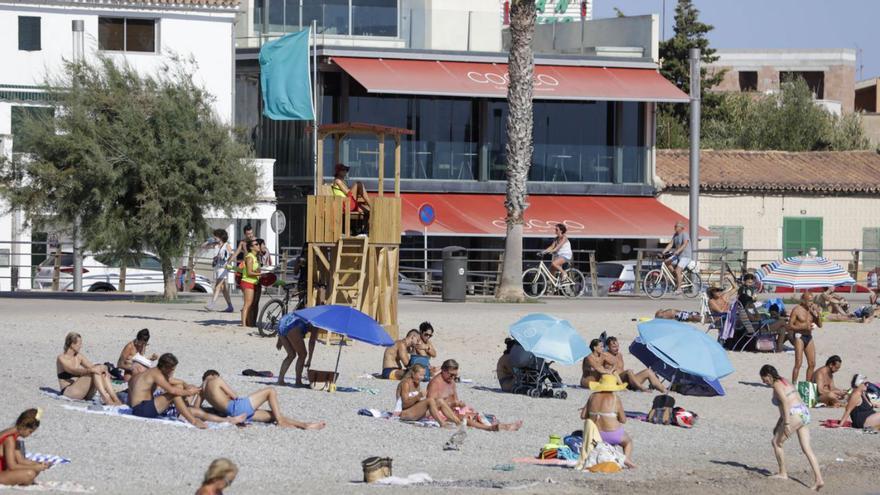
pixel 561 249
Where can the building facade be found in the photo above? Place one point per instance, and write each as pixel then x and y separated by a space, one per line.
pixel 593 161
pixel 830 73
pixel 37 36
pixel 775 203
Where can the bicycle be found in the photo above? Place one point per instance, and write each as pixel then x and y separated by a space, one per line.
pixel 659 280
pixel 537 280
pixel 275 308
pixel 724 277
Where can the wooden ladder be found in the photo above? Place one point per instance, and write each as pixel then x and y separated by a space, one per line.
pixel 348 275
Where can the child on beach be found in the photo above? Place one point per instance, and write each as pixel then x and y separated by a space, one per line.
pixel 220 474
pixel 14 468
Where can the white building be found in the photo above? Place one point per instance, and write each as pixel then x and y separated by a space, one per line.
pixel 36 36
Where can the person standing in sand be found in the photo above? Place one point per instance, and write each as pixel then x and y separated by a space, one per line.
pixel 606 410
pixel 823 377
pixel 804 319
pixel 443 387
pixel 220 474
pixel 79 378
pixel 412 404
pixel 145 405
pixel 596 364
pixel 630 377
pixel 222 398
pixel 793 417
pixel 397 356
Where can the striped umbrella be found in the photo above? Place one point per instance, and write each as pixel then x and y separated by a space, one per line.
pixel 804 272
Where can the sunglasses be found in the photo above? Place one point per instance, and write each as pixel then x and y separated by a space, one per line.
pixel 429 335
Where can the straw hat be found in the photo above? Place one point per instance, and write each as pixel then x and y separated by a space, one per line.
pixel 608 383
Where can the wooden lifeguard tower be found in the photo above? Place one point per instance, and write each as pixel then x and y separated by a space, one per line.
pixel 356 270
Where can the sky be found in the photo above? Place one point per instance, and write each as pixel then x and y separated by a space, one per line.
pixel 776 24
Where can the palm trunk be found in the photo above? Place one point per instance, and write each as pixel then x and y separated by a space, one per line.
pixel 123 270
pixel 168 278
pixel 521 66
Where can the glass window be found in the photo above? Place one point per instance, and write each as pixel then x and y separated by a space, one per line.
pixel 332 15
pixel 374 18
pixel 28 33
pixel 111 33
pixel 149 263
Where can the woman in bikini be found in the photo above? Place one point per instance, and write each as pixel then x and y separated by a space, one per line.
pixel 250 280
pixel 14 468
pixel 859 407
pixel 78 378
pixel 606 410
pixel 793 417
pixel 358 199
pixel 413 405
pixel 293 339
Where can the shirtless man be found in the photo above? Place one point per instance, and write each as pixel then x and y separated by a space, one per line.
pixel 413 405
pixel 596 364
pixel 144 405
pixel 804 318
pixel 222 398
pixel 133 359
pixel 630 377
pixel 397 356
pixel 823 377
pixel 442 386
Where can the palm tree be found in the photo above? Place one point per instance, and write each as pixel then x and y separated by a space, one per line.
pixel 520 67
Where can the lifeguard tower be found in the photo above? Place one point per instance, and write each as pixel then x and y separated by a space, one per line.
pixel 355 270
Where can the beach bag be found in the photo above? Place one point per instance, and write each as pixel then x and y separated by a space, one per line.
pixel 661 412
pixel 321 380
pixel 684 418
pixel 604 453
pixel 765 343
pixel 809 393
pixel 873 392
pixel 574 442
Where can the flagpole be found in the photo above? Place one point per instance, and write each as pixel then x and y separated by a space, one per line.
pixel 314 36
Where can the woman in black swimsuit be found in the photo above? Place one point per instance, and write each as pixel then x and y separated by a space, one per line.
pixel 78 378
pixel 859 407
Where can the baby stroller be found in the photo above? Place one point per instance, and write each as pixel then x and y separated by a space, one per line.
pixel 532 376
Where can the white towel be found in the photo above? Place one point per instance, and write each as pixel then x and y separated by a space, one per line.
pixel 125 412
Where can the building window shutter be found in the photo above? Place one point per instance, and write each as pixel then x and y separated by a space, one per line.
pixel 729 237
pixel 29 33
pixel 870 240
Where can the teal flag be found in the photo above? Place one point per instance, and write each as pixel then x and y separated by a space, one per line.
pixel 285 78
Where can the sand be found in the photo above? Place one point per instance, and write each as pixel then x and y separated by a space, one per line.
pixel 728 452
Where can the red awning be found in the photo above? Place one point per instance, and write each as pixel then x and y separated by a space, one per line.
pixel 489 80
pixel 593 217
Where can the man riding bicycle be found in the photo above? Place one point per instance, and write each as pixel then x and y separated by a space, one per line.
pixel 561 249
pixel 681 254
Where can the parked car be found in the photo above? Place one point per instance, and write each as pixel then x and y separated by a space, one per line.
pixel 408 287
pixel 618 277
pixel 100 274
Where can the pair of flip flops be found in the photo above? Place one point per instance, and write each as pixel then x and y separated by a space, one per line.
pixel 264 374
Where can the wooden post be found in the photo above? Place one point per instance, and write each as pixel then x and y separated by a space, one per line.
pixel 319 174
pixel 594 280
pixel 855 270
pixel 56 269
pixel 397 166
pixel 637 285
pixel 310 275
pixel 381 164
pixel 745 263
pixel 337 140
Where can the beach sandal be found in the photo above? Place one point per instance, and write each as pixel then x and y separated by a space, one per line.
pixel 264 374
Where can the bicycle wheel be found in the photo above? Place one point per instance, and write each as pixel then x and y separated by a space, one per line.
pixel 654 284
pixel 534 283
pixel 574 285
pixel 693 284
pixel 270 315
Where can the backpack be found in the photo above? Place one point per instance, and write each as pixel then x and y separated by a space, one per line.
pixel 662 412
pixel 809 393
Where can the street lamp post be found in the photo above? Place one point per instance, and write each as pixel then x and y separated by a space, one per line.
pixel 694 210
pixel 78 54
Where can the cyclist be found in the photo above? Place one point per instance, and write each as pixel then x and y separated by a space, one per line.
pixel 561 249
pixel 680 248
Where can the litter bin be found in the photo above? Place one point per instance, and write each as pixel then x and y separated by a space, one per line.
pixel 454 274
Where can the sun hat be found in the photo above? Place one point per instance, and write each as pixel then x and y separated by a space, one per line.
pixel 859 379
pixel 608 383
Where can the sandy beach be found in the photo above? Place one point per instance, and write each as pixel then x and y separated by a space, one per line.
pixel 727 452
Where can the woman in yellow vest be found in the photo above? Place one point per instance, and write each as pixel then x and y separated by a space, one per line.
pixel 250 280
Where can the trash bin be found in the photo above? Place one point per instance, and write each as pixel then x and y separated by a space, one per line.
pixel 454 274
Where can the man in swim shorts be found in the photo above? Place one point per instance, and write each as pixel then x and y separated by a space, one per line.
pixel 442 386
pixel 144 404
pixel 804 319
pixel 222 398
pixel 398 356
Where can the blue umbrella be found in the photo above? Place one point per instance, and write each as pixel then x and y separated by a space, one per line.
pixel 685 348
pixel 687 384
pixel 347 321
pixel 550 338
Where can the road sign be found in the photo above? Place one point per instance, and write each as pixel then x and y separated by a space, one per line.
pixel 278 221
pixel 426 214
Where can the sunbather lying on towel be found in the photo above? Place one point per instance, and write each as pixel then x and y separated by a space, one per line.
pixel 222 398
pixel 412 404
pixel 678 314
pixel 144 405
pixel 442 386
pixel 862 314
pixel 397 356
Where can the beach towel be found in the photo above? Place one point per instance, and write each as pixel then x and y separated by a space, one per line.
pixel 543 462
pixel 594 451
pixel 833 423
pixel 125 412
pixel 413 479
pixel 809 393
pixel 51 460
pixel 52 486
pixel 375 413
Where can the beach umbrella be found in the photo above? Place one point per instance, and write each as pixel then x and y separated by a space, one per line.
pixel 550 338
pixel 686 383
pixel 804 272
pixel 685 348
pixel 347 321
